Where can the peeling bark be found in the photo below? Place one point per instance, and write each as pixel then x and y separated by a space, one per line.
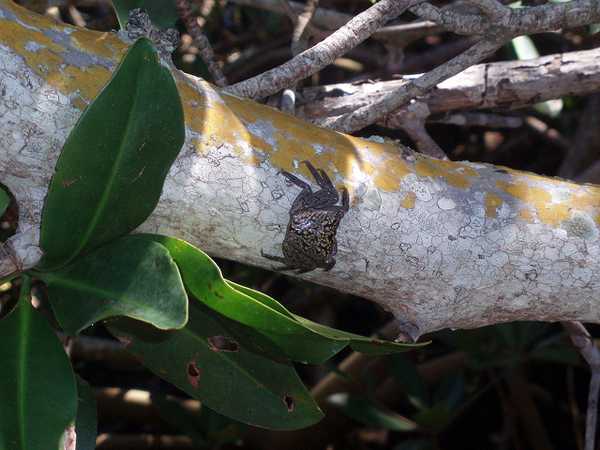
pixel 438 243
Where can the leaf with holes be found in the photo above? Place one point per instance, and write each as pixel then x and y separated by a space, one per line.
pixel 205 360
pixel 38 394
pixel 129 277
pixel 111 171
pixel 266 325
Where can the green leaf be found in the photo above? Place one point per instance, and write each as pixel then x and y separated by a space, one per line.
pixel 262 298
pixel 38 394
pixel 525 48
pixel 410 380
pixel 111 171
pixel 129 277
pixel 434 417
pixel 163 13
pixel 204 360
pixel 370 413
pixel 361 344
pixel 274 330
pixel 4 199
pixel 87 416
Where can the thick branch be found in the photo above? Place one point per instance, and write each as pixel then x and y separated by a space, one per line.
pixel 498 86
pixel 438 243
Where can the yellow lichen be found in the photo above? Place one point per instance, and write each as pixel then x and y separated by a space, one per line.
pixel 457 180
pixel 409 201
pixel 547 208
pixel 87 82
pixel 525 215
pixel 430 168
pixel 467 171
pixel 367 168
pixel 105 45
pixel 492 203
pixel 387 179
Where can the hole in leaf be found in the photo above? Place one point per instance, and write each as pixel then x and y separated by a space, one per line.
pixel 68 183
pixel 222 344
pixel 193 373
pixel 289 402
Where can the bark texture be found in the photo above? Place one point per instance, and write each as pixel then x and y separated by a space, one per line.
pixel 439 244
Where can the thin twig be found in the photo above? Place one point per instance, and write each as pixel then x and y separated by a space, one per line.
pixel 201 41
pixel 300 39
pixel 515 22
pixel 302 29
pixel 584 343
pixel 370 113
pixel 325 52
pixel 424 142
pixel 413 122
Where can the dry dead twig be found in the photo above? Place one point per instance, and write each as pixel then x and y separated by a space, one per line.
pixel 590 352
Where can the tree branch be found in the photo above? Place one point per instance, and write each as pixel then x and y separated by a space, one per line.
pixel 371 113
pixel 501 86
pixel 500 26
pixel 324 53
pixel 438 243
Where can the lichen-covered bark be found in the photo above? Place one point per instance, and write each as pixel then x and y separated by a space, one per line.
pixel 440 244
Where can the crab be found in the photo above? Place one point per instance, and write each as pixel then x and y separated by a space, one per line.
pixel 310 241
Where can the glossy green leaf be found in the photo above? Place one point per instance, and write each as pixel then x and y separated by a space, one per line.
pixel 128 277
pixel 261 297
pixel 38 393
pixel 204 360
pixel 361 344
pixel 4 199
pixel 111 171
pixel 87 416
pixel 163 13
pixel 370 413
pixel 410 380
pixel 274 330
